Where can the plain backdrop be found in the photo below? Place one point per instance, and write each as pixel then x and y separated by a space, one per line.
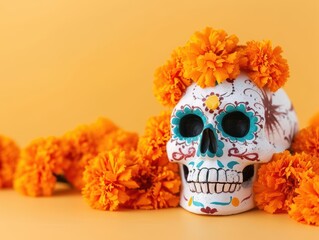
pixel 67 62
pixel 64 63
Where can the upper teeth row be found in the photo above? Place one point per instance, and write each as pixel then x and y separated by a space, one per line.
pixel 213 175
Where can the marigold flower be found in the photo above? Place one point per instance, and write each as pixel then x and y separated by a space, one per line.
pixel 169 82
pixel 277 180
pixel 265 65
pixel 108 177
pixel 150 182
pixel 38 166
pixel 101 127
pixel 152 144
pixel 44 159
pixel 211 56
pixel 81 147
pixel 307 140
pixel 9 154
pixel 87 141
pixel 305 208
pixel 119 138
pixel 158 179
pixel 159 186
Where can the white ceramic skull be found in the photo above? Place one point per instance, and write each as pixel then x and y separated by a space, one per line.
pixel 219 137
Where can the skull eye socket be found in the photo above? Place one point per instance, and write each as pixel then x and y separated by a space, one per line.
pixel 236 124
pixel 191 125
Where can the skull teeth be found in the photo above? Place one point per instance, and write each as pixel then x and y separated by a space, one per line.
pixel 212 180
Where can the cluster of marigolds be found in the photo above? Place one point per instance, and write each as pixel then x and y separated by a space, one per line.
pixel 118 169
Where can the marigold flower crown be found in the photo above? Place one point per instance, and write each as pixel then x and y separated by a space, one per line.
pixel 212 56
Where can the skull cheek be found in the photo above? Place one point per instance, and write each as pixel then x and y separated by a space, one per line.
pixel 187 125
pixel 241 129
pixel 180 151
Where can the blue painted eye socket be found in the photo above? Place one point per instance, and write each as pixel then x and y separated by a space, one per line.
pixel 188 124
pixel 237 123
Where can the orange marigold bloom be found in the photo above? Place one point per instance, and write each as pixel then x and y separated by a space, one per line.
pixel 152 144
pixel 44 159
pixel 211 56
pixel 305 208
pixel 108 178
pixel 87 141
pixel 277 180
pixel 81 147
pixel 159 185
pixel 169 82
pixel 159 179
pixel 150 180
pixel 9 154
pixel 307 140
pixel 101 127
pixel 38 166
pixel 127 141
pixel 265 65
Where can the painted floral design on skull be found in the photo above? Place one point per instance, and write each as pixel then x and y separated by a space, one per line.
pixel 219 136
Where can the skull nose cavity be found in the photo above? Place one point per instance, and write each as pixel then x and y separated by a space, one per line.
pixel 208 142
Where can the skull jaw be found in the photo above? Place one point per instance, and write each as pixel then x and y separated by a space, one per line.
pixel 223 203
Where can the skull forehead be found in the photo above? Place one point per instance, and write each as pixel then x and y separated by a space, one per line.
pixel 242 90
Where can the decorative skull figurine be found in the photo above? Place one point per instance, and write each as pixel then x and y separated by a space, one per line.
pixel 219 137
pixel 230 114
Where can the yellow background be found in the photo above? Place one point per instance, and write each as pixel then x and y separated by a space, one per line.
pixel 66 62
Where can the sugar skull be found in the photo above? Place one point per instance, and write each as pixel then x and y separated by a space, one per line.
pixel 229 115
pixel 219 137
